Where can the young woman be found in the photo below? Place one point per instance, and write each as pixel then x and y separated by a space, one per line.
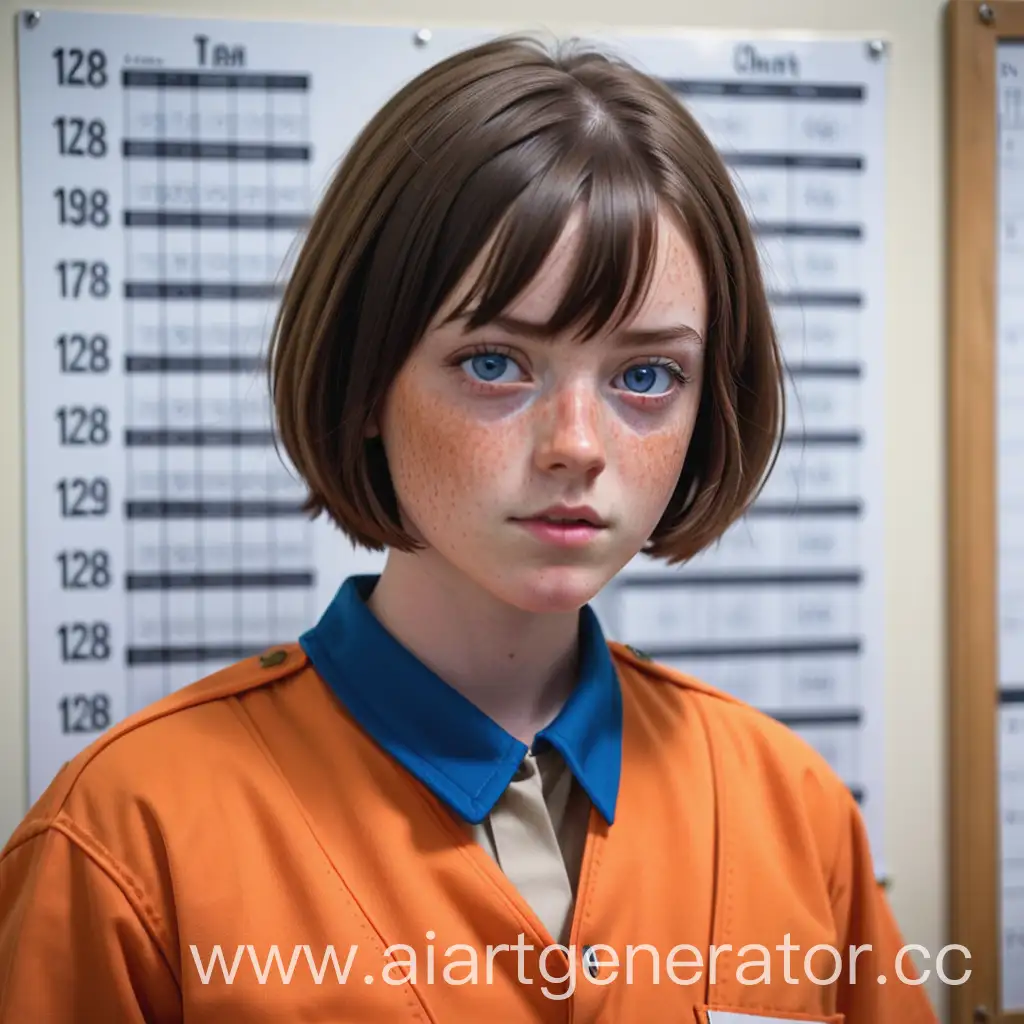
pixel 525 340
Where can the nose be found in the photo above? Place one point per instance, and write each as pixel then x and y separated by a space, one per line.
pixel 570 435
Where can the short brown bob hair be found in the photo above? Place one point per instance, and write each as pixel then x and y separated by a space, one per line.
pixel 502 142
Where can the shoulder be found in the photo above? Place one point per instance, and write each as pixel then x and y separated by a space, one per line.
pixel 767 766
pixel 729 717
pixel 165 755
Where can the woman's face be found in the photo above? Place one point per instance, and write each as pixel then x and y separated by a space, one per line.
pixel 493 435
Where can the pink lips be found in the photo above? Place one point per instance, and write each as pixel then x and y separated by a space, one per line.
pixel 580 527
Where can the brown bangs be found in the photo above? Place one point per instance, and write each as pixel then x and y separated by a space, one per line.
pixel 614 250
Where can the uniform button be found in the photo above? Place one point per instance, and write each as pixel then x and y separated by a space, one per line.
pixel 590 961
pixel 272 658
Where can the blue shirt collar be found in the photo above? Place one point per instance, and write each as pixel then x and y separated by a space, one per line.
pixel 464 757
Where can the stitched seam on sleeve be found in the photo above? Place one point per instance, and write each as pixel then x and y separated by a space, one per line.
pixel 129 887
pixel 28 830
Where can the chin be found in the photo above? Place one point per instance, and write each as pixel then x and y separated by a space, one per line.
pixel 553 590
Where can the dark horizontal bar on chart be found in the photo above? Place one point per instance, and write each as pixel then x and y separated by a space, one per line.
pixel 825 370
pixel 726 578
pixel 789 230
pixel 137 581
pixel 818 300
pixel 1011 693
pixel 160 510
pixel 198 438
pixel 143 79
pixel 190 149
pixel 793 161
pixel 835 509
pixel 825 439
pixel 191 655
pixel 216 221
pixel 796 648
pixel 220 290
pixel 764 90
pixel 193 364
pixel 847 716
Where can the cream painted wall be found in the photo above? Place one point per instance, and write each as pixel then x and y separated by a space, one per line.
pixel 915 664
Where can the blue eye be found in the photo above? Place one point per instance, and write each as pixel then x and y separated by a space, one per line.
pixel 488 366
pixel 642 379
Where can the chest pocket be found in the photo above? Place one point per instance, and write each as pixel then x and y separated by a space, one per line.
pixel 709 1015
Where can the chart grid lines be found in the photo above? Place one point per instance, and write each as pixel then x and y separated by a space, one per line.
pixel 206 447
pixel 197 390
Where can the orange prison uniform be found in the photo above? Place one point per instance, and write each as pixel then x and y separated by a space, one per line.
pixel 329 795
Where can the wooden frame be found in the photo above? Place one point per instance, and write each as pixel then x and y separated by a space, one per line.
pixel 973 33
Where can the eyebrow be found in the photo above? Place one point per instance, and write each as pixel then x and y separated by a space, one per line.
pixel 634 337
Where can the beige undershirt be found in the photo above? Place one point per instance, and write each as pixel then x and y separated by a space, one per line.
pixel 536 834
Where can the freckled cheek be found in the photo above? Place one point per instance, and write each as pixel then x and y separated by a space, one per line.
pixel 651 462
pixel 439 452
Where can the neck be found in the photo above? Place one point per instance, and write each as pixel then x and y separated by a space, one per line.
pixel 517 667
